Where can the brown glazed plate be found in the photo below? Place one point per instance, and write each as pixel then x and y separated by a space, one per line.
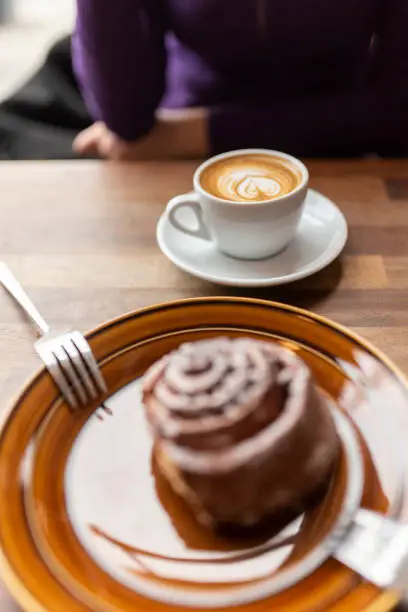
pixel 87 523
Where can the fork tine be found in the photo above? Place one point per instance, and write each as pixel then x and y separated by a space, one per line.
pixel 67 358
pixel 90 362
pixel 57 373
pixel 82 369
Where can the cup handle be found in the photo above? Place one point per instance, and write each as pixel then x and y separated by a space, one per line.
pixel 376 547
pixel 190 201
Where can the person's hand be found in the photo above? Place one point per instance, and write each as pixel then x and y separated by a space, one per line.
pixel 177 134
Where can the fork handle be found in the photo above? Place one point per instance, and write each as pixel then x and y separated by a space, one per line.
pixel 14 288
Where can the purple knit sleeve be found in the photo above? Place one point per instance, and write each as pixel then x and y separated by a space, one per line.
pixel 119 59
pixel 372 118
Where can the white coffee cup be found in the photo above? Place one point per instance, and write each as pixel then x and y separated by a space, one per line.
pixel 254 230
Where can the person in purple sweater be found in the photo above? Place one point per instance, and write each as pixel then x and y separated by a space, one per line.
pixel 188 78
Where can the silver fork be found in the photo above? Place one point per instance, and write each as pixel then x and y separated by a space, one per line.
pixel 67 357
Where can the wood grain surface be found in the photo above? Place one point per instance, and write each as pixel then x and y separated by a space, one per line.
pixel 80 236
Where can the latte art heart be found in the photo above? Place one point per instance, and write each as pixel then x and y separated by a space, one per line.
pixel 250 186
pixel 251 178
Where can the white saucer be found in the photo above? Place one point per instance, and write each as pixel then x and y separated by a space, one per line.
pixel 321 237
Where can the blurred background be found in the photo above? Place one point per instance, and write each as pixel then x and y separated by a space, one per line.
pixel 27 27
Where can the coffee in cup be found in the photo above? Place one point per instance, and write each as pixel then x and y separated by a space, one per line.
pixel 250 178
pixel 248 202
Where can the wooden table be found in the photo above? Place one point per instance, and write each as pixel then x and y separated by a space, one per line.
pixel 80 236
